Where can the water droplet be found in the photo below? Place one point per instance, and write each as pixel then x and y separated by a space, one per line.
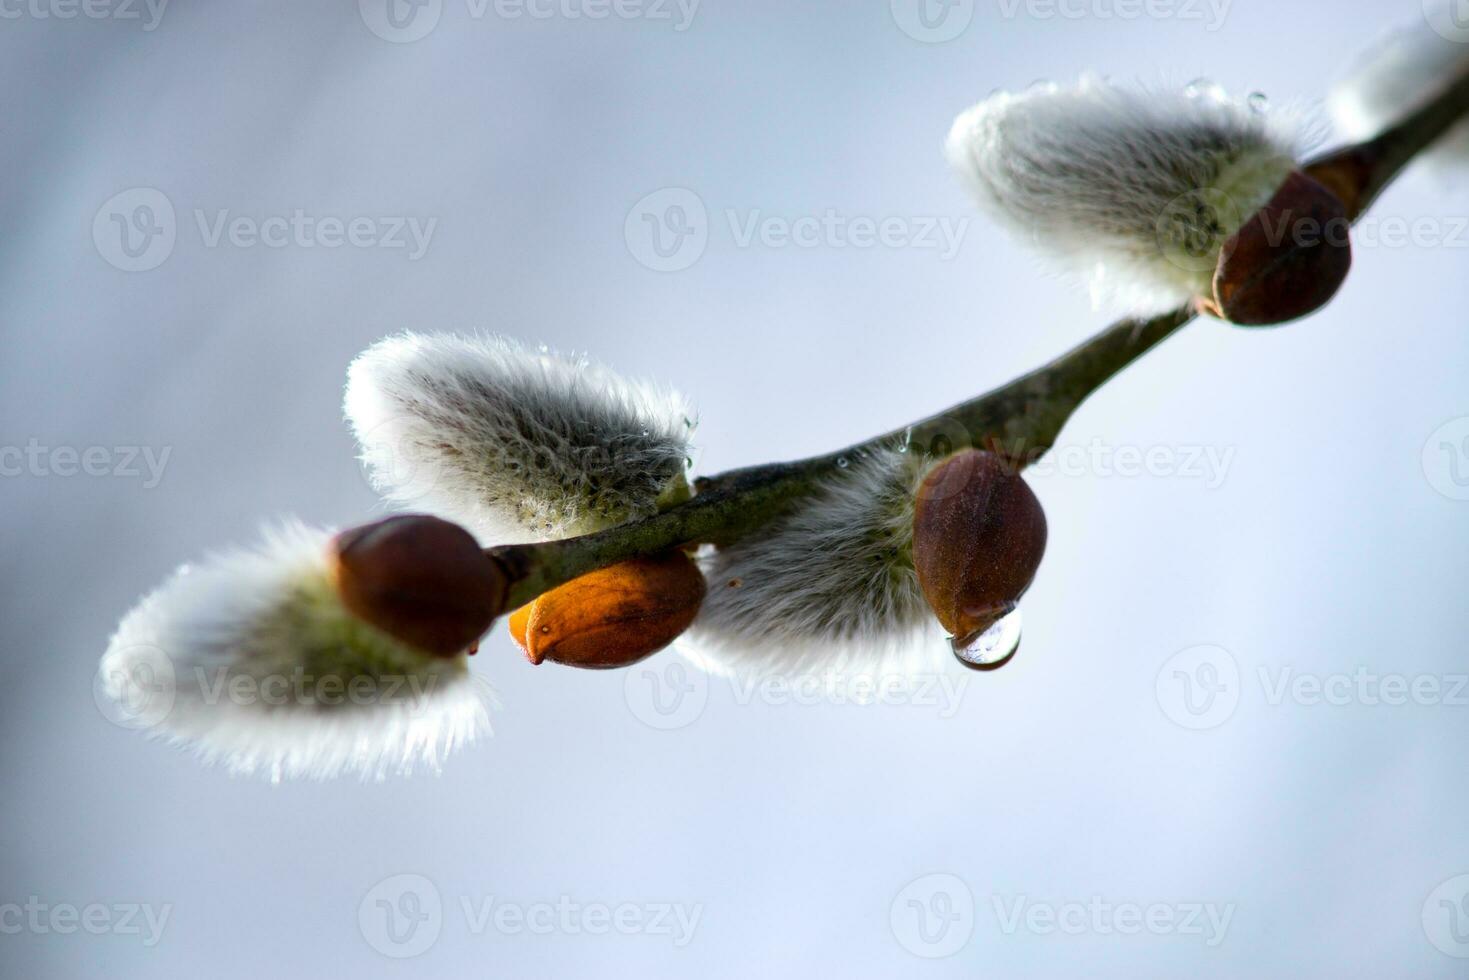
pixel 544 348
pixel 1259 102
pixel 1203 88
pixel 842 462
pixel 994 647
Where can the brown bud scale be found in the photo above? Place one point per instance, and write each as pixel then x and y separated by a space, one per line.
pixel 979 534
pixel 1288 260
pixel 419 579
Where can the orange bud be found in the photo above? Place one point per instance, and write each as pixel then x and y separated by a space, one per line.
pixel 422 580
pixel 978 537
pixel 519 623
pixel 614 616
pixel 1287 261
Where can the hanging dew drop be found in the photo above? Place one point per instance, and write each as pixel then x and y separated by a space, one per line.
pixel 1259 102
pixel 994 647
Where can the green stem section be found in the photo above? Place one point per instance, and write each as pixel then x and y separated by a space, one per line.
pixel 1020 420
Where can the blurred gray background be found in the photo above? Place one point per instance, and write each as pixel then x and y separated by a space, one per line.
pixel 1093 779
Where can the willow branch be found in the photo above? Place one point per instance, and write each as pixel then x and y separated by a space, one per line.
pixel 1020 420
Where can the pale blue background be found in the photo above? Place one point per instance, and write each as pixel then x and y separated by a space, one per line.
pixel 1325 548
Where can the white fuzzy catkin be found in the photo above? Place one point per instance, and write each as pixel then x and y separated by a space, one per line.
pixel 515 444
pixel 251 660
pixel 829 589
pixel 1399 74
pixel 1135 191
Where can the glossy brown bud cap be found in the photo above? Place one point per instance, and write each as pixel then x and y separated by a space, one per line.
pixel 614 616
pixel 1287 261
pixel 419 579
pixel 978 537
